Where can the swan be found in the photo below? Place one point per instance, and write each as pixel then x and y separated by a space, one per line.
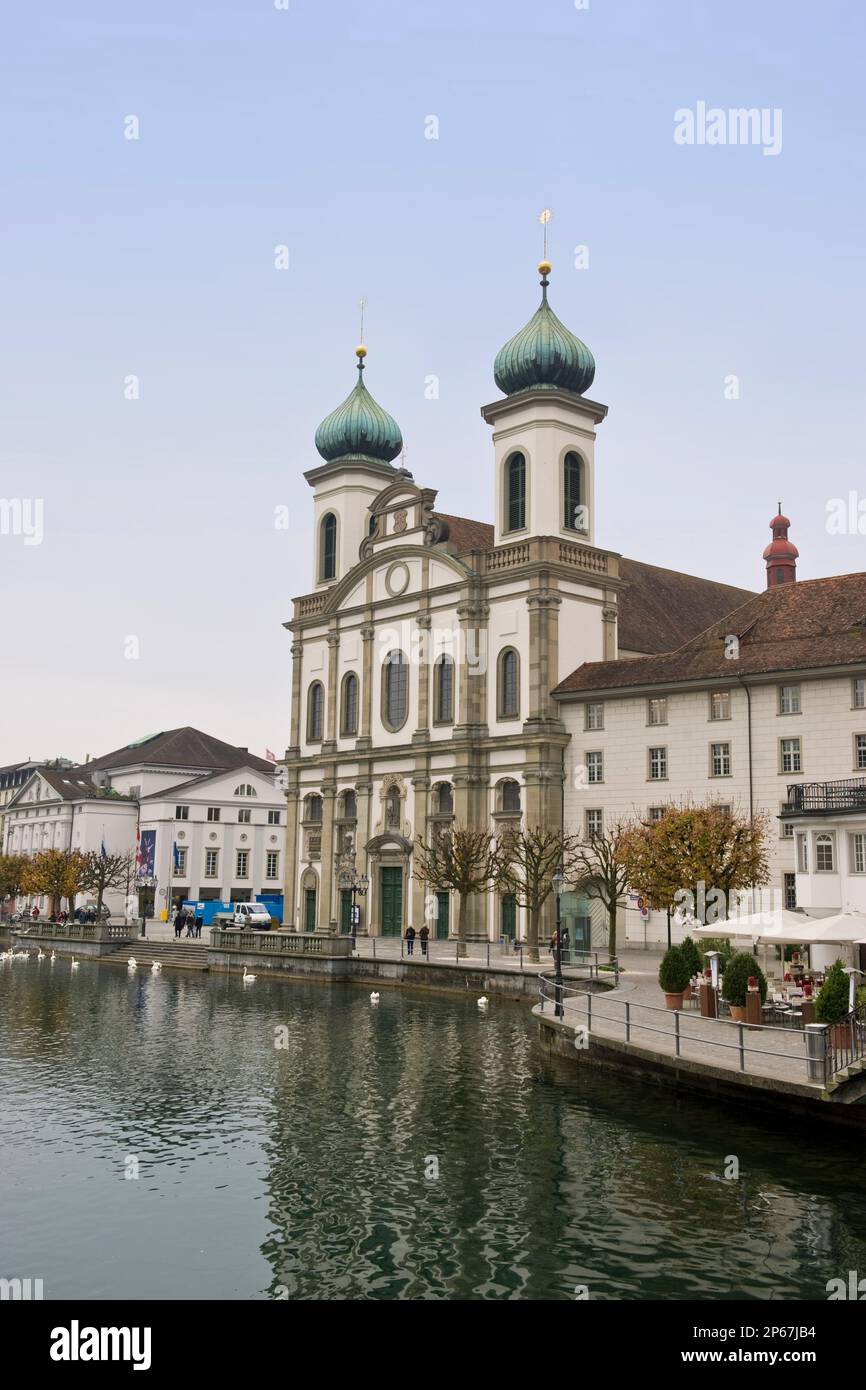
pixel 132 962
pixel 156 967
pixel 74 963
pixel 40 954
pixel 374 997
pixel 483 1002
pixel 248 979
pixel 52 958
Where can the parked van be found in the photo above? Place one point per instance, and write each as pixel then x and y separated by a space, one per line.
pixel 251 916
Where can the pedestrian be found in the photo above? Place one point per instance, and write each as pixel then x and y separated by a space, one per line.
pixel 190 922
pixel 35 914
pixel 565 939
pixel 199 923
pixel 410 940
pixel 553 944
pixel 179 920
pixel 423 937
pixel 91 915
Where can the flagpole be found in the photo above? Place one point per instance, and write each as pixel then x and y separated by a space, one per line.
pixel 170 877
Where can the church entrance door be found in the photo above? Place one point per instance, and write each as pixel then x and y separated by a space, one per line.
pixel 391 884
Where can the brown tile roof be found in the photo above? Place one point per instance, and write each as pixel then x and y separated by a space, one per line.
pixel 807 625
pixel 184 747
pixel 467 535
pixel 661 608
pixel 71 784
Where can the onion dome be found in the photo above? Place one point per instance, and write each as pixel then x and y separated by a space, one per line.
pixel 359 428
pixel 781 554
pixel 544 354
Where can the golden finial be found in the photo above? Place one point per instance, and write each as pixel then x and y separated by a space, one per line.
pixel 544 264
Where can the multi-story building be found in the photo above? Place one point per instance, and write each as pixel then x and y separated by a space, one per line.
pixel 16 774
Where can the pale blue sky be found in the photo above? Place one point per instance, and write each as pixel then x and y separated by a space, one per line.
pixel 259 127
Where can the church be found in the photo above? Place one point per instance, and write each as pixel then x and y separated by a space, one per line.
pixel 432 653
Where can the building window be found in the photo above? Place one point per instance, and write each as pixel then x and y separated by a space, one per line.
pixel 211 863
pixel 860 752
pixel 789 699
pixel 593 822
pixel 595 767
pixel 181 813
pixel 244 815
pixel 328 567
pixel 720 760
pixel 180 863
pixel 515 493
pixel 313 807
pixel 658 764
pixel 274 817
pixel 395 691
pixel 802 854
pixel 245 789
pixel 824 855
pixel 789 887
pixel 272 864
pixel 443 799
pixel 510 796
pixel 655 814
pixel 393 809
pixel 349 705
pixel 858 853
pixel 242 867
pixel 509 684
pixel 349 806
pixel 787 826
pixel 858 694
pixel 443 690
pixel 315 712
pixel 213 812
pixel 720 704
pixel 573 518
pixel 791 755
pixel 593 715
pixel 657 711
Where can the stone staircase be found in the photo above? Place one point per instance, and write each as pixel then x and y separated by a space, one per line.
pixel 177 955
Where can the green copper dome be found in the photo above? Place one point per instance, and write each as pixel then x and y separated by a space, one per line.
pixel 544 354
pixel 359 428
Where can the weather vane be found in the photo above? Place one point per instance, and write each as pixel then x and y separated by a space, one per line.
pixel 544 217
pixel 362 304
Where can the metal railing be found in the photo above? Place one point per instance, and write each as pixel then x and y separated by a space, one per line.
pixel 826 1052
pixel 846 794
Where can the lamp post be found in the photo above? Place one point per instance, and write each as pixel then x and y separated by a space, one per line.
pixel 356 883
pixel 558 888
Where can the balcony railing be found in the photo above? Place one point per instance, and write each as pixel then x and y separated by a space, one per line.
pixel 848 794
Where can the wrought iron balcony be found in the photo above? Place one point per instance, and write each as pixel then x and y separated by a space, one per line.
pixel 848 794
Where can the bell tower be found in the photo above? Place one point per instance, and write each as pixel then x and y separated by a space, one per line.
pixel 781 554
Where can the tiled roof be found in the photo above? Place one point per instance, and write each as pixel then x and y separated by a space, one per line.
pixel 806 625
pixel 184 747
pixel 71 784
pixel 661 608
pixel 466 534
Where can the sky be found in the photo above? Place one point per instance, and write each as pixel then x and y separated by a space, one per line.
pixel 162 377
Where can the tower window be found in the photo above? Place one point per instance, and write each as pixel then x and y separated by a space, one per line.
pixel 515 481
pixel 395 691
pixel 509 684
pixel 315 711
pixel 443 690
pixel 349 714
pixel 328 567
pixel 574 511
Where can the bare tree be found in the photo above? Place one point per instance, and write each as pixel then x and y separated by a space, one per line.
pixel 528 860
pixel 103 872
pixel 602 872
pixel 458 860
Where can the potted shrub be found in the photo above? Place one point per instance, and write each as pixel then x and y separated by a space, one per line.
pixel 737 971
pixel 694 961
pixel 831 1005
pixel 674 975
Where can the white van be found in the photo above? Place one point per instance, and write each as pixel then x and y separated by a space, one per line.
pixel 252 916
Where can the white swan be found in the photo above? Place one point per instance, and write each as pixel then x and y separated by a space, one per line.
pixel 483 1002
pixel 248 979
pixel 74 963
pixel 40 954
pixel 52 957
pixel 374 997
pixel 156 967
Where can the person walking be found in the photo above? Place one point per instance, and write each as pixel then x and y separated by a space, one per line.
pixel 190 922
pixel 423 937
pixel 553 943
pixel 199 923
pixel 410 940
pixel 179 920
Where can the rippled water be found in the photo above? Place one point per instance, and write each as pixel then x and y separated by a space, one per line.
pixel 307 1170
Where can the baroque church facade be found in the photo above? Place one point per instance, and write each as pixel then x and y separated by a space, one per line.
pixel 426 654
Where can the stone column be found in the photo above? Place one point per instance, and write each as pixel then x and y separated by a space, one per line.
pixel 297 655
pixel 293 854
pixel 421 786
pixel 542 604
pixel 608 618
pixel 330 743
pixel 368 632
pixel 423 621
pixel 472 662
pixel 363 792
pixel 326 901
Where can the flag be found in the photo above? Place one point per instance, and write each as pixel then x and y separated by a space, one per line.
pixel 176 856
pixel 138 858
pixel 102 850
pixel 271 757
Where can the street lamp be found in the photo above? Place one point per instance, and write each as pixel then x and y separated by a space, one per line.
pixel 559 882
pixel 357 883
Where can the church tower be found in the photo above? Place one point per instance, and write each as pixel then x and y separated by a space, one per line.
pixel 358 440
pixel 781 554
pixel 544 431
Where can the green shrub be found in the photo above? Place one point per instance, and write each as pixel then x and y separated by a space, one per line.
pixel 737 971
pixel 674 973
pixel 716 943
pixel 860 997
pixel 694 959
pixel 831 1005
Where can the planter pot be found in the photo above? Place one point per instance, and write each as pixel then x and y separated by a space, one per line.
pixel 673 1001
pixel 840 1036
pixel 687 992
pixel 738 1013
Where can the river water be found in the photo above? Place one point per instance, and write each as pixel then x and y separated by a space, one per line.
pixel 182 1136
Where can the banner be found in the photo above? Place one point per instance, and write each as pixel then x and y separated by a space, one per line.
pixel 147 854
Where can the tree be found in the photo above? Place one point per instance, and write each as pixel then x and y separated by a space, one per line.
pixel 459 860
pixel 528 860
pixel 12 867
pixel 601 872
pixel 103 872
pixel 58 873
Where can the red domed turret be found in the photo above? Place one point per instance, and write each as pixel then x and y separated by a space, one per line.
pixel 781 554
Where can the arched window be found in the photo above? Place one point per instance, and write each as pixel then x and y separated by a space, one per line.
pixel 395 690
pixel 349 807
pixel 572 493
pixel 443 799
pixel 509 795
pixel 328 551
pixel 313 807
pixel 515 493
pixel 509 684
pixel 393 817
pixel 315 711
pixel 373 524
pixel 824 857
pixel 245 789
pixel 349 704
pixel 443 690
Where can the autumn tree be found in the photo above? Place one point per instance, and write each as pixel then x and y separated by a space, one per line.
pixel 12 867
pixel 104 872
pixel 600 871
pixel 528 860
pixel 461 861
pixel 57 873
